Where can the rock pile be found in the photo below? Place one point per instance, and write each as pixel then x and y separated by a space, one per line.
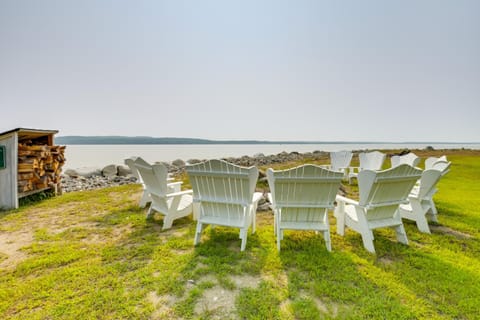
pixel 114 175
pixel 93 178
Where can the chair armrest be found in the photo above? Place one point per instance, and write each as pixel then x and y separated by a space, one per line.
pixel 181 193
pixel 345 200
pixel 175 186
pixel 257 196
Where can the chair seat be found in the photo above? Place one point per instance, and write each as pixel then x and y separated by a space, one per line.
pixel 293 225
pixel 185 201
pixel 223 221
pixel 351 212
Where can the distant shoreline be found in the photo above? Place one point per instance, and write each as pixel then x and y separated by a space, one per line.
pixel 124 140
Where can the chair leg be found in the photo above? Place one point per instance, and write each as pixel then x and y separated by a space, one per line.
pixel 149 212
pixel 340 215
pixel 144 200
pixel 328 243
pixel 433 208
pixel 275 227
pixel 279 231
pixel 198 233
pixel 244 240
pixel 367 238
pixel 167 222
pixel 401 234
pixel 433 217
pixel 254 218
pixel 422 224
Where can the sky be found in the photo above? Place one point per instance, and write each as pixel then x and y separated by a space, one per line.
pixel 371 70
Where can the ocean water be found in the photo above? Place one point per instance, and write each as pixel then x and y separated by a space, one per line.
pixel 79 156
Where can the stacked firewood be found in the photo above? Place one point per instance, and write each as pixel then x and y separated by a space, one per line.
pixel 39 166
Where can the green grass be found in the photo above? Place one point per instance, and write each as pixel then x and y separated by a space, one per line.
pixel 93 255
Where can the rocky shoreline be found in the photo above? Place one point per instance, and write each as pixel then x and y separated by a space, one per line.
pixel 115 175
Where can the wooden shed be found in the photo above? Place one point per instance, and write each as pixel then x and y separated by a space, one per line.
pixel 29 163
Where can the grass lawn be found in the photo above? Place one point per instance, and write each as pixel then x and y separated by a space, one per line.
pixel 93 255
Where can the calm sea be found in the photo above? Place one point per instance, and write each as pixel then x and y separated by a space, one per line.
pixel 101 155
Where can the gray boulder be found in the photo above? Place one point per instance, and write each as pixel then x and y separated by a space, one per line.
pixel 123 171
pixel 193 161
pixel 179 163
pixel 86 172
pixel 110 171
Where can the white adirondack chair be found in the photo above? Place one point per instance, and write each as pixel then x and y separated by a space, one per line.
pixel 301 198
pixel 172 205
pixel 410 158
pixel 226 196
pixel 368 161
pixel 130 162
pixel 381 193
pixel 340 161
pixel 420 200
pixel 145 199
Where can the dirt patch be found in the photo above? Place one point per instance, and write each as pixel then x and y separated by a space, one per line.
pixel 447 230
pixel 11 244
pixel 246 281
pixel 385 260
pixel 280 279
pixel 331 309
pixel 55 221
pixel 324 307
pixel 83 225
pixel 217 302
pixel 163 305
pixel 174 232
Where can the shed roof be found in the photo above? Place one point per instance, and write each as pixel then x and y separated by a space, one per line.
pixel 29 133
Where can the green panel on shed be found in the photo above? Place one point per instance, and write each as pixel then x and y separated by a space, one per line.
pixel 2 157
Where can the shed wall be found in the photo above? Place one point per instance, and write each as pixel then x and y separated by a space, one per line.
pixel 8 176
